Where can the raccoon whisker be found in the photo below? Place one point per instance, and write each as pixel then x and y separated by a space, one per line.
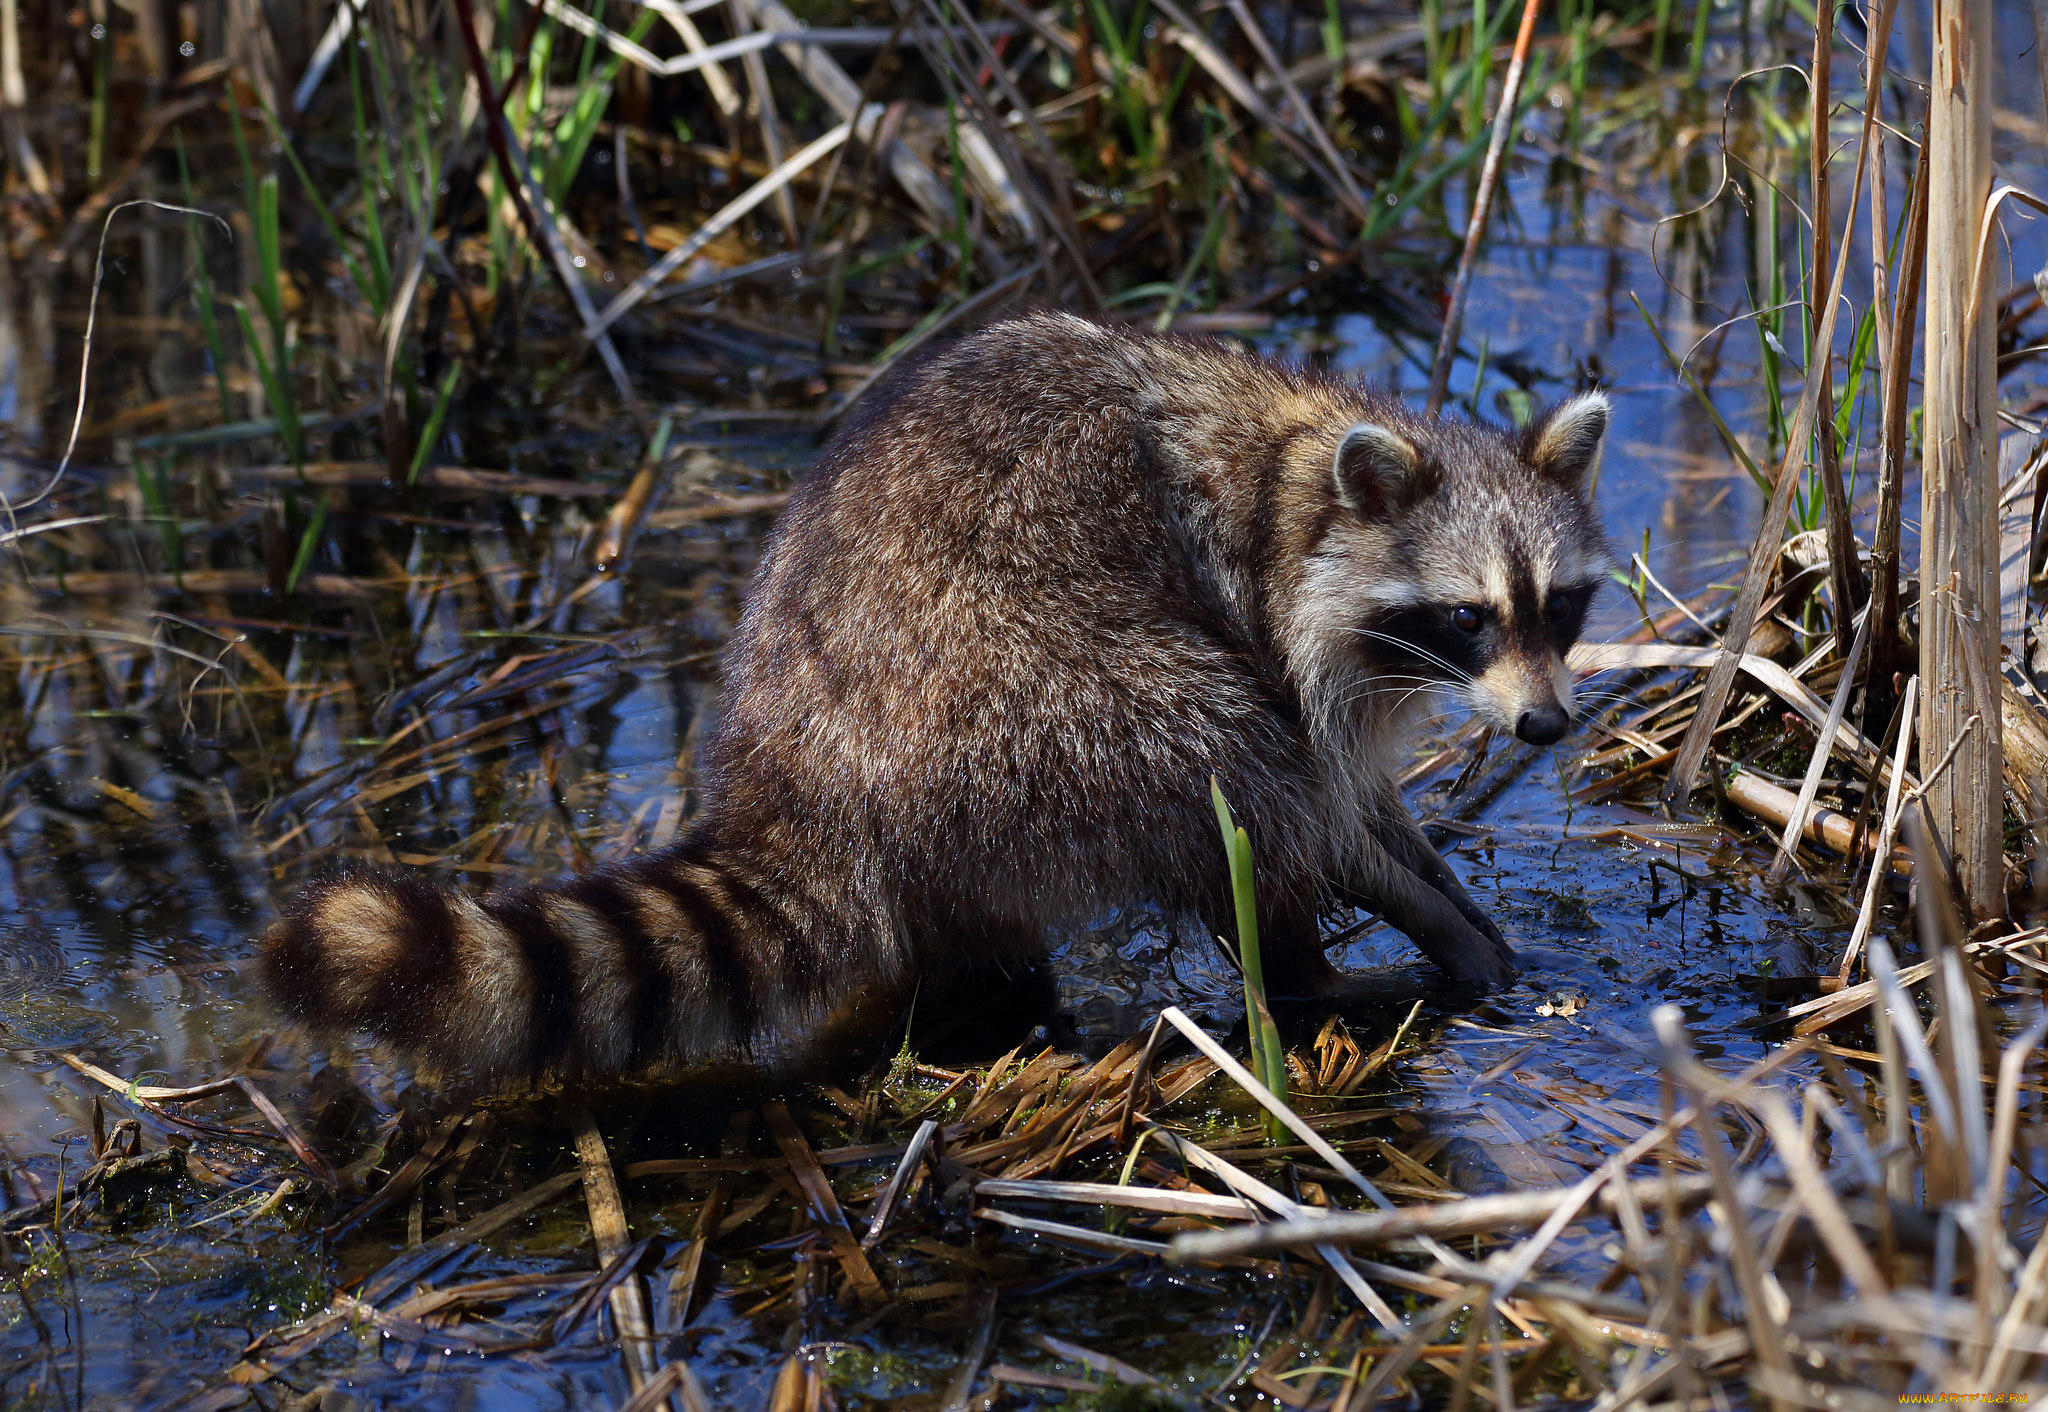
pixel 1384 681
pixel 1405 645
pixel 1402 683
pixel 1424 684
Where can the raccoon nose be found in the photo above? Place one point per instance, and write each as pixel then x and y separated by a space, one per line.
pixel 1543 725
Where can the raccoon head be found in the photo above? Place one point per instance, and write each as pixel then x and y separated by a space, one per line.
pixel 1471 555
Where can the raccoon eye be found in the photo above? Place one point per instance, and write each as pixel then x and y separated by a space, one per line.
pixel 1467 618
pixel 1558 608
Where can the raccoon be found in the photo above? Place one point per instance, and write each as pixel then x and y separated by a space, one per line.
pixel 1038 590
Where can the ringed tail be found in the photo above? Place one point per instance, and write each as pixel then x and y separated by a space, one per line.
pixel 673 958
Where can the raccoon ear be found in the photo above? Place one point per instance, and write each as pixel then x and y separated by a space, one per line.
pixel 1564 443
pixel 1378 469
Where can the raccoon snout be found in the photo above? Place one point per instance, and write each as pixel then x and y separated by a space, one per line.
pixel 1543 725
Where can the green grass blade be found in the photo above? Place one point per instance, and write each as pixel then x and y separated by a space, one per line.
pixel 269 256
pixel 153 479
pixel 309 540
pixel 423 449
pixel 281 405
pixel 379 257
pixel 1269 1058
pixel 963 242
pixel 312 194
pixel 202 288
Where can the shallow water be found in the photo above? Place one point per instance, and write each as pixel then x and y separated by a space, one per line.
pixel 150 821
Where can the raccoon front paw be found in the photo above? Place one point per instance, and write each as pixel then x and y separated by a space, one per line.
pixel 1470 956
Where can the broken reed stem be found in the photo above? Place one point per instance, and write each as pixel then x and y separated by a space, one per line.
pixel 1140 1076
pixel 1478 1215
pixel 899 1182
pixel 1482 203
pixel 624 516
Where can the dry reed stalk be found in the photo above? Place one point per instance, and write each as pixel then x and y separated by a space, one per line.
pixel 899 1180
pixel 615 1272
pixel 1766 1334
pixel 1242 1182
pixel 674 1380
pixel 1887 832
pixel 1842 571
pixel 1346 190
pixel 1851 743
pixel 990 163
pixel 689 1266
pixel 717 224
pixel 1133 1198
pixel 1141 1074
pixel 1057 214
pixel 624 516
pixel 831 83
pixel 418 1264
pixel 1478 1215
pixel 1897 371
pixel 13 105
pixel 1959 490
pixel 402 1182
pixel 149 1096
pixel 824 1204
pixel 1097 1362
pixel 1073 1235
pixel 1191 36
pixel 773 140
pixel 627 1294
pixel 1482 202
pixel 726 97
